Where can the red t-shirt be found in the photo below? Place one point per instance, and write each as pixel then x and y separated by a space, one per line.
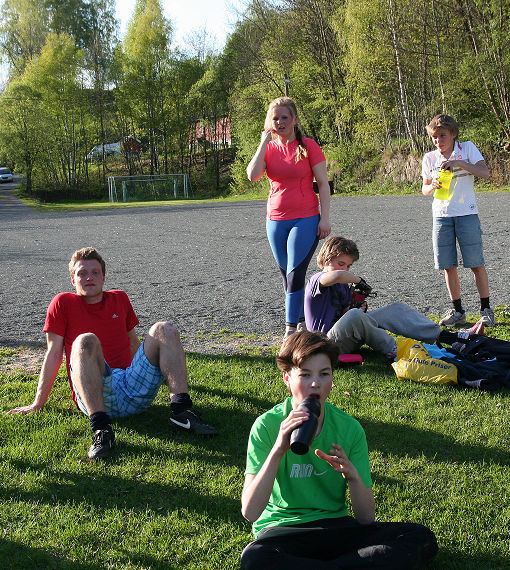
pixel 291 192
pixel 111 319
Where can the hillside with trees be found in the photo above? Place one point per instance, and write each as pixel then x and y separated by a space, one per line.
pixel 367 75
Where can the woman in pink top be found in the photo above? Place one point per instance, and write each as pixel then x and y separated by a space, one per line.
pixel 294 221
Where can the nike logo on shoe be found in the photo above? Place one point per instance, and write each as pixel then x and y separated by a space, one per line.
pixel 184 425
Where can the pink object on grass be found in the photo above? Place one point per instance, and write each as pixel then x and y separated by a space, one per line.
pixel 349 359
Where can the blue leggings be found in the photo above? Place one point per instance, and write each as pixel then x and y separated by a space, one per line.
pixel 293 243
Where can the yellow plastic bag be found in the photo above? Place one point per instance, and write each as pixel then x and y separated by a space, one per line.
pixel 415 363
pixel 445 192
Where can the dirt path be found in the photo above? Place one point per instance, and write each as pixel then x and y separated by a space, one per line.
pixel 208 267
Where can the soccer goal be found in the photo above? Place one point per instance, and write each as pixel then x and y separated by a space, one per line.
pixel 145 187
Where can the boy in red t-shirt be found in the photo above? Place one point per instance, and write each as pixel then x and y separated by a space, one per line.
pixel 111 373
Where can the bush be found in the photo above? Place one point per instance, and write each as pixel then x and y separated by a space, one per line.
pixel 82 192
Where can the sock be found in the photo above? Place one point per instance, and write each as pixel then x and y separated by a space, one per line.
pixel 447 337
pixel 457 305
pixel 484 303
pixel 100 420
pixel 180 403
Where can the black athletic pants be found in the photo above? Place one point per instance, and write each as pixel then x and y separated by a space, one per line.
pixel 341 543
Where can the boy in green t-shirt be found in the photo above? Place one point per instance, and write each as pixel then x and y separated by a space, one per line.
pixel 297 502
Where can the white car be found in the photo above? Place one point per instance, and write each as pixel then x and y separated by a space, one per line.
pixel 5 175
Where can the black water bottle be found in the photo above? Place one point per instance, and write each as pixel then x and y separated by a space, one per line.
pixel 301 437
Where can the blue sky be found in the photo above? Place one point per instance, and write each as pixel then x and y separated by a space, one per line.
pixel 187 16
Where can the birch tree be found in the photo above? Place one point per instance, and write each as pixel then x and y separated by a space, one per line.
pixel 145 60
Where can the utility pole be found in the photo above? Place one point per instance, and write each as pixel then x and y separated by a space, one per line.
pixel 286 80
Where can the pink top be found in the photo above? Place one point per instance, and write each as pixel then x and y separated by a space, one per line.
pixel 291 192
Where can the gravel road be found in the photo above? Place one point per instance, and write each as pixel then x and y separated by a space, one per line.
pixel 208 267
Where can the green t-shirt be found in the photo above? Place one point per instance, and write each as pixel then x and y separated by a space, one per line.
pixel 306 488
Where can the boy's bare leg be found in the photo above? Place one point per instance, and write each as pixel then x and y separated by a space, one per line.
pixel 451 277
pixel 88 368
pixel 481 280
pixel 163 348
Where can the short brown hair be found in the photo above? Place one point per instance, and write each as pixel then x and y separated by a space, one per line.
pixel 86 253
pixel 443 121
pixel 335 246
pixel 303 344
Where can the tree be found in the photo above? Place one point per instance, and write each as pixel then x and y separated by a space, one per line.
pixel 23 28
pixel 309 25
pixel 20 110
pixel 209 101
pixel 145 61
pixel 487 24
pixel 99 61
pixel 54 77
pixel 184 72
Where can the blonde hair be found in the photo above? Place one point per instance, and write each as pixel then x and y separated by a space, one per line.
pixel 302 151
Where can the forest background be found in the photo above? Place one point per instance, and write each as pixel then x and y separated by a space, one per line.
pixel 367 76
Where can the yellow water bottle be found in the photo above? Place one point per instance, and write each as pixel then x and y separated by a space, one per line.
pixel 445 177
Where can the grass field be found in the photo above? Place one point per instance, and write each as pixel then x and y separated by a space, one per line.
pixel 440 455
pixel 84 205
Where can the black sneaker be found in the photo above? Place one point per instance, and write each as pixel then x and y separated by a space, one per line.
pixel 103 442
pixel 191 421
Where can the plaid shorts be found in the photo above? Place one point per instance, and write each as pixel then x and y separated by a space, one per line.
pixel 130 391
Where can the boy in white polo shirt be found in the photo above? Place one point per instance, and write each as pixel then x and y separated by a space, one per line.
pixel 455 217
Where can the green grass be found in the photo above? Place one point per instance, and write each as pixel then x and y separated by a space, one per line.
pixel 439 454
pixel 73 206
pixel 350 190
pixel 6 353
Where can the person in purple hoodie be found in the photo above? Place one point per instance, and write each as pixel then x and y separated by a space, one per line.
pixel 329 307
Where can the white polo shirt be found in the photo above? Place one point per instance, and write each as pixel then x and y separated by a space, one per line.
pixel 463 201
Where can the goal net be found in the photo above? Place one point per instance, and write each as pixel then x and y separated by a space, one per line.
pixel 146 187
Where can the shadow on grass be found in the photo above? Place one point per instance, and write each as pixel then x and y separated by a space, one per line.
pixel 233 430
pixel 19 556
pixel 108 491
pixel 459 560
pixel 15 555
pixel 232 420
pixel 105 489
pixel 407 440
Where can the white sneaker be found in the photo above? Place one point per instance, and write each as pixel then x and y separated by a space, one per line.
pixel 288 333
pixel 488 318
pixel 453 318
